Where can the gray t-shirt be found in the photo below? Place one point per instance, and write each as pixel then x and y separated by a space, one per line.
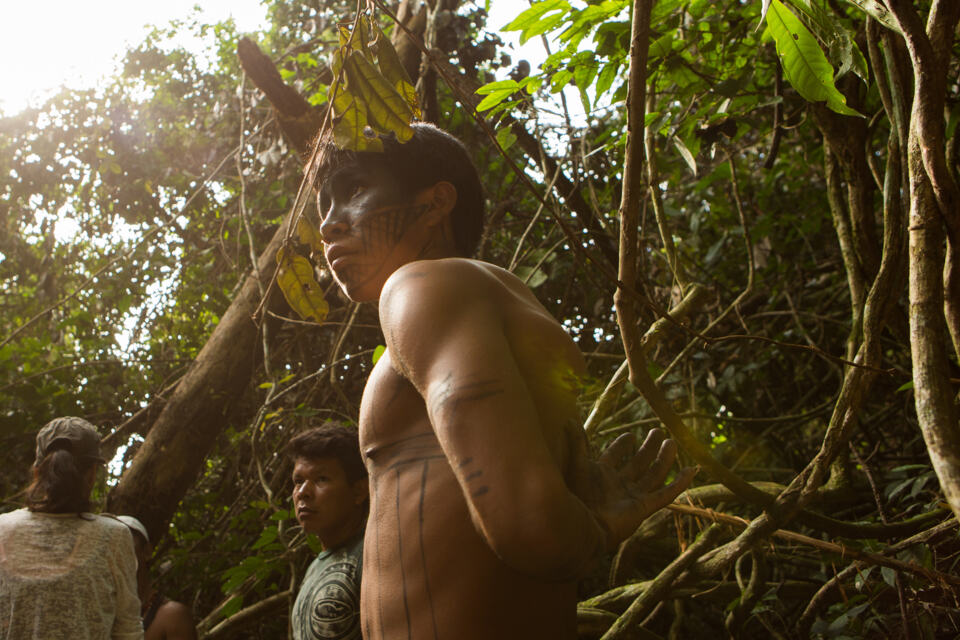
pixel 328 604
pixel 67 577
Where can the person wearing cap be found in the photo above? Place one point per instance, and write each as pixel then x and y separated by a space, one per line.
pixel 163 619
pixel 65 573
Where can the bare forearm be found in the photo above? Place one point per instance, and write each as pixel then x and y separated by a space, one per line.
pixel 551 537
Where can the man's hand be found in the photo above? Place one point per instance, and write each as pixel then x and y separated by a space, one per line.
pixel 627 483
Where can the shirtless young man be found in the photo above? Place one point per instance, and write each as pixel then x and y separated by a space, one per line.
pixel 468 422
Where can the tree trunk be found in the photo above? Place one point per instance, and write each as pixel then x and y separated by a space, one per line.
pixel 172 456
pixel 933 222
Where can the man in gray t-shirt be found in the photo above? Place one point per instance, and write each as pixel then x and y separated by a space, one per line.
pixel 330 498
pixel 327 605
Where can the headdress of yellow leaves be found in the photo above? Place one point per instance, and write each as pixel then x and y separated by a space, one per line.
pixel 371 95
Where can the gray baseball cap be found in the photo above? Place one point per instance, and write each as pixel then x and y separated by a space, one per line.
pixel 81 438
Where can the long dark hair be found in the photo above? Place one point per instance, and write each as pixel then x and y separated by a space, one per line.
pixel 59 482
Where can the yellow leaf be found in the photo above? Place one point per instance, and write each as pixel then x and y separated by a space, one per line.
pixel 350 123
pixel 308 234
pixel 394 72
pixel 303 294
pixel 358 39
pixel 386 107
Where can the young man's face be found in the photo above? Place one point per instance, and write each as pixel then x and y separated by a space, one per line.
pixel 370 227
pixel 326 503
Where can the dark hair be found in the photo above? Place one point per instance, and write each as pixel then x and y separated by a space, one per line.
pixel 431 156
pixel 332 440
pixel 58 482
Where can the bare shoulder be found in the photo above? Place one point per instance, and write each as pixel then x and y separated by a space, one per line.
pixel 431 287
pixel 437 274
pixel 175 609
pixel 175 619
pixel 432 311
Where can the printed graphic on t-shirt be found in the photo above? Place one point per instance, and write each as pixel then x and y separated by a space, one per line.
pixel 334 611
pixel 328 604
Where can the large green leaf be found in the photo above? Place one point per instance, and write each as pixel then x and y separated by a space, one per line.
pixel 804 63
pixel 831 32
pixel 535 21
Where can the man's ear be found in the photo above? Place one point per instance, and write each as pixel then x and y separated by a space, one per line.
pixel 441 197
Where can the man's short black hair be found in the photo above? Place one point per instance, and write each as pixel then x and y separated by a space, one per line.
pixel 431 156
pixel 330 440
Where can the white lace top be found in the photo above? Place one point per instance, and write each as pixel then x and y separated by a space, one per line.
pixel 64 576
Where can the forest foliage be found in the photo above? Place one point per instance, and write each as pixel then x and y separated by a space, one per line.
pixel 745 213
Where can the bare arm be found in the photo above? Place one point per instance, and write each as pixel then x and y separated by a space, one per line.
pixel 445 332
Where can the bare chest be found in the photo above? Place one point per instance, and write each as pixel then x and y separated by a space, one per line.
pixel 394 425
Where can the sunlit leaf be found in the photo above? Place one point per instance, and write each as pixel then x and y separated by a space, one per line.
pixel 378 352
pixel 295 279
pixel 685 153
pixel 385 106
pixel 505 138
pixel 308 234
pixel 764 7
pixel 532 277
pixel 498 85
pixel 804 63
pixel 830 31
pixel 350 123
pixel 878 12
pixel 532 22
pixel 494 99
pixel 393 71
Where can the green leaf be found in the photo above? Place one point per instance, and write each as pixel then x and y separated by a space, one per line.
pixel 498 85
pixel 685 153
pixel 494 99
pixel 233 605
pixel 378 352
pixel 804 63
pixel 889 576
pixel 535 21
pixel 585 72
pixel 505 138
pixel 663 46
pixel 295 279
pixel 878 12
pixel 906 386
pixel 532 277
pixel 560 80
pixel 606 77
pixel 829 30
pixel 269 535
